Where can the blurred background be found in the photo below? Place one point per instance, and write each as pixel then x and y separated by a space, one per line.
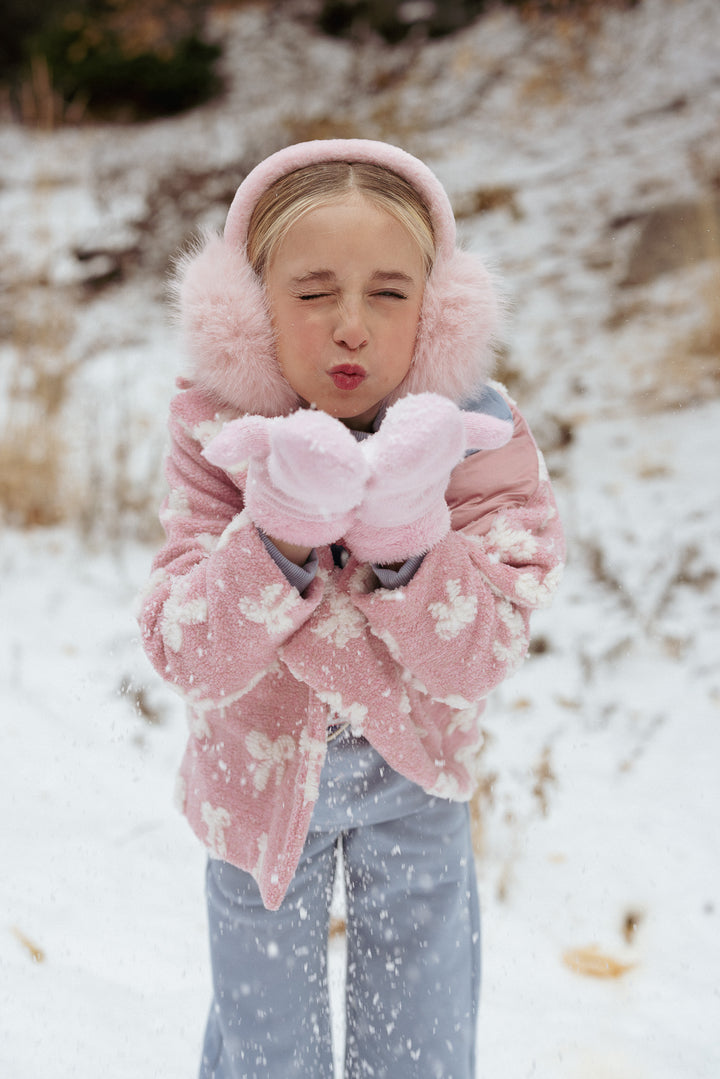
pixel 580 144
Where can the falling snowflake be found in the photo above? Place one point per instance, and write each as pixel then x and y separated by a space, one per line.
pixel 452 617
pixel 273 608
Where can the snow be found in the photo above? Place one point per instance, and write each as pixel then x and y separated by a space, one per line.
pixel 600 812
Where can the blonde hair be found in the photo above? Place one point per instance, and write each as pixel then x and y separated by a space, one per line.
pixel 299 192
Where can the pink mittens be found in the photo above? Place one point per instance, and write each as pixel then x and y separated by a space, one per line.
pixel 421 439
pixel 309 482
pixel 306 473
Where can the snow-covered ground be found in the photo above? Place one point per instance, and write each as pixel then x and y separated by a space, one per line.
pixel 600 837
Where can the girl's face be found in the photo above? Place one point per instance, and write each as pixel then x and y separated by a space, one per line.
pixel 345 288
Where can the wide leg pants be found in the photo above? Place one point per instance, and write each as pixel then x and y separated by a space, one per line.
pixel 413 939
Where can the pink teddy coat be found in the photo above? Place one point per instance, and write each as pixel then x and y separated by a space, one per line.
pixel 263 669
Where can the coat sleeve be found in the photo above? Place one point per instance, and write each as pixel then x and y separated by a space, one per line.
pixel 217 606
pixel 462 624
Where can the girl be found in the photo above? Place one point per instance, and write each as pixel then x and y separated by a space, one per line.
pixel 358 528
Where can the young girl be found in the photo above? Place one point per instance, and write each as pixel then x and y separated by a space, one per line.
pixel 358 528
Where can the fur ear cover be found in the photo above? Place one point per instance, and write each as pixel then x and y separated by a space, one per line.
pixel 228 336
pixel 226 330
pixel 459 320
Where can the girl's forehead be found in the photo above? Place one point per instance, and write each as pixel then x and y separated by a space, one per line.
pixel 351 206
pixel 351 229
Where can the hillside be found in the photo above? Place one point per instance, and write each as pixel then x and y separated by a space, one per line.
pixel 583 159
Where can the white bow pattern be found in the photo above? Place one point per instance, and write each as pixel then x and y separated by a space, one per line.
pixel 269 755
pixel 217 819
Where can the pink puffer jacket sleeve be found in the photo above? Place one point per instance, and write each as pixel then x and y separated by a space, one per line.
pixel 217 607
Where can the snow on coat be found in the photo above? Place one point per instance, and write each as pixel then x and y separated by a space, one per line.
pixel 263 669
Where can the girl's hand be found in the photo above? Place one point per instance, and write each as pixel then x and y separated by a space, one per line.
pixel 421 439
pixel 305 473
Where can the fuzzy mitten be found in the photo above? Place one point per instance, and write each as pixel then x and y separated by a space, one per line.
pixel 421 439
pixel 305 473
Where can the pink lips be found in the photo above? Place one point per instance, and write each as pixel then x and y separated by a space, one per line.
pixel 347 376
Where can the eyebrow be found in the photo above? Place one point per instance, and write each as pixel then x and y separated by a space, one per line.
pixel 325 276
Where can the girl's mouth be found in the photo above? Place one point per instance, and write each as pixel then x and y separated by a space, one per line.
pixel 347 376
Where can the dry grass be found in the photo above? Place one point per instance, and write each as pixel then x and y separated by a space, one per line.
pixel 673 280
pixel 325 126
pixel 35 952
pixel 481 803
pixel 593 963
pixel 706 340
pixel 631 922
pixel 555 76
pixel 37 382
pixel 691 365
pixel 62 459
pixel 39 103
pixel 142 701
pixel 484 200
pixel 544 777
pixel 28 479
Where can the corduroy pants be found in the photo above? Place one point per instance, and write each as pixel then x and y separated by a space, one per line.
pixel 413 939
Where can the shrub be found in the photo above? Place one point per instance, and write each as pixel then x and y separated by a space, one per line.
pixel 394 20
pixel 122 59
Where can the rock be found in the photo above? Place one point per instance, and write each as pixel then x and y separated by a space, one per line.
pixel 672 237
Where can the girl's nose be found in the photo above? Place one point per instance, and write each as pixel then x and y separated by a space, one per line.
pixel 350 329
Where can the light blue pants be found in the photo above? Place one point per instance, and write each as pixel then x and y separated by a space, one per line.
pixel 413 939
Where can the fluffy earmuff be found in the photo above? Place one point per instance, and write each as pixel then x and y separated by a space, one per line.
pixel 459 321
pixel 226 330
